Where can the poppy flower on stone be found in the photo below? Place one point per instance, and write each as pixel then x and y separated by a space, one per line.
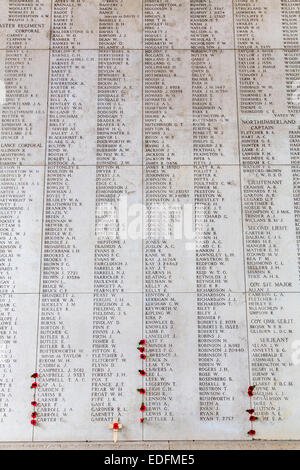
pixel 34 403
pixel 33 422
pixel 142 342
pixel 251 388
pixel 142 349
pixel 251 432
pixel 250 393
pixel 143 408
pixel 250 411
pixel 116 426
pixel 142 372
pixel 35 375
pixel 253 418
pixel 34 385
pixel 34 414
pixel 141 390
pixel 142 356
pixel 142 420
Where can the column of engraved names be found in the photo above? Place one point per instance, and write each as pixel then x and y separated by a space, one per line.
pixel 290 14
pixel 117 306
pixel 166 188
pixel 67 261
pixel 23 103
pixel 269 129
pixel 222 328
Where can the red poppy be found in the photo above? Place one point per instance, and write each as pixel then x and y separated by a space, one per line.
pixel 142 349
pixel 251 388
pixel 142 356
pixel 141 390
pixel 34 403
pixel 250 411
pixel 142 372
pixel 143 408
pixel 33 422
pixel 251 432
pixel 34 385
pixel 253 418
pixel 35 375
pixel 142 342
pixel 250 393
pixel 34 414
pixel 142 420
pixel 115 426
